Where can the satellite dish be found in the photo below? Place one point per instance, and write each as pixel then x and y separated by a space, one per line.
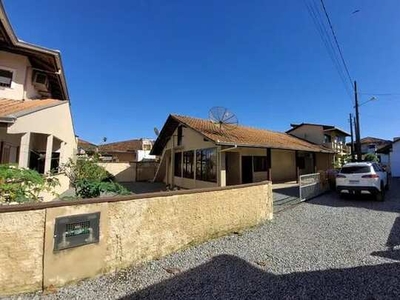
pixel 156 131
pixel 223 118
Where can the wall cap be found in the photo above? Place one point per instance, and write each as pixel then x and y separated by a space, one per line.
pixel 63 203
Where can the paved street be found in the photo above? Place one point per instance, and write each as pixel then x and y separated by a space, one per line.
pixel 327 248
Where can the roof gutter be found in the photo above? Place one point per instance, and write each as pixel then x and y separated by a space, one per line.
pixel 8 120
pixel 227 149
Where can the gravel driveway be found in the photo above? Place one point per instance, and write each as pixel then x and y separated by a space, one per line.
pixel 327 248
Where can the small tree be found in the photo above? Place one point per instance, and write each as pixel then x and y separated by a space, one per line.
pixel 91 180
pixel 371 157
pixel 23 185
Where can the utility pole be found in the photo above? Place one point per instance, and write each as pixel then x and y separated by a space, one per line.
pixel 358 142
pixel 352 138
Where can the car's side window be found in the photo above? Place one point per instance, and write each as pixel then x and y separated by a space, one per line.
pixel 376 168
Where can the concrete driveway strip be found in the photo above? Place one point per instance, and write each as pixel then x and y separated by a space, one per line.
pixel 327 248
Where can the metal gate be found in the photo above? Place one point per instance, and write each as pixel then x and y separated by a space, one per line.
pixel 312 185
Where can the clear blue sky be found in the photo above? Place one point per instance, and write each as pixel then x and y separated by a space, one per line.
pixel 130 63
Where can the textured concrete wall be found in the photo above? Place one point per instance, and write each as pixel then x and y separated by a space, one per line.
pixel 132 230
pixel 154 227
pixel 21 251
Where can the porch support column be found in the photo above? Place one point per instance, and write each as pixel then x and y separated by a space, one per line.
pixel 269 164
pixel 222 168
pixel 172 183
pixel 314 155
pixel 49 151
pixel 24 150
pixel 297 166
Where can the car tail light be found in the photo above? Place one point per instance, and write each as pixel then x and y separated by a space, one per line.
pixel 370 176
pixel 340 176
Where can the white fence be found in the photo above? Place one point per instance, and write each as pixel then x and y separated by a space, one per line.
pixel 312 185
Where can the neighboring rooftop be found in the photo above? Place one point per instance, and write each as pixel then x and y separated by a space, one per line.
pixel 324 127
pixel 234 135
pixel 374 140
pixel 122 146
pixel 12 109
pixel 85 145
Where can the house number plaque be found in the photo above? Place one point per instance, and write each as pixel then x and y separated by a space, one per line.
pixel 77 230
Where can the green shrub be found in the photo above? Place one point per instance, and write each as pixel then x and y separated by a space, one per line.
pixel 371 157
pixel 23 185
pixel 93 189
pixel 91 180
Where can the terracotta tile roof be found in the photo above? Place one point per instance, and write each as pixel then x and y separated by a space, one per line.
pixel 248 136
pixel 123 146
pixel 85 145
pixel 373 140
pixel 16 108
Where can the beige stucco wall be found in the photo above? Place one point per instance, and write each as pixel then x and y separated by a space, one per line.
pixel 21 251
pixel 123 172
pixel 21 87
pixel 283 165
pixel 314 134
pixel 131 231
pixel 56 121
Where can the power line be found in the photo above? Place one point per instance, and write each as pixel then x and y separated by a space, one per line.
pixel 317 19
pixel 381 94
pixel 337 43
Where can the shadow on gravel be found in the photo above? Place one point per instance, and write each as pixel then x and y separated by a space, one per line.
pixel 393 243
pixel 283 193
pixel 229 277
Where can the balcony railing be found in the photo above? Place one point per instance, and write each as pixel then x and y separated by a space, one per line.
pixel 338 147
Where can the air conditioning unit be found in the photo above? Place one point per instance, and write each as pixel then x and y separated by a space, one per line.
pixel 41 82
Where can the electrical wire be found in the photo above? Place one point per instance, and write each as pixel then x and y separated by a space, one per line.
pixel 320 25
pixel 337 43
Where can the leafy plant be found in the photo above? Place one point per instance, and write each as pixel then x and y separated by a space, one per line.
pixel 371 157
pixel 23 185
pixel 92 189
pixel 91 180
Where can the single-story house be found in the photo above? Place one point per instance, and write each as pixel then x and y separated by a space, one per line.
pixel 197 153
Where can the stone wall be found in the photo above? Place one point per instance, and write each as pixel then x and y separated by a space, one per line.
pixel 133 229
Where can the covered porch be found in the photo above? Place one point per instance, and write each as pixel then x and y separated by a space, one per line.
pixel 36 151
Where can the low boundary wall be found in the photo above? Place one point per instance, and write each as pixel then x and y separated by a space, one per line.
pixel 132 230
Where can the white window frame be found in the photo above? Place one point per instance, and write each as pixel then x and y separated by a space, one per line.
pixel 14 71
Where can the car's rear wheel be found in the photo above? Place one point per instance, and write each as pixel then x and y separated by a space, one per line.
pixel 380 195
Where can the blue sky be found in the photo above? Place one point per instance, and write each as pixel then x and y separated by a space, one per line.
pixel 130 63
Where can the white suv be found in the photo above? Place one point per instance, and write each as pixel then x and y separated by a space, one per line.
pixel 367 177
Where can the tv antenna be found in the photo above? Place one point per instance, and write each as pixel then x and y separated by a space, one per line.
pixel 223 118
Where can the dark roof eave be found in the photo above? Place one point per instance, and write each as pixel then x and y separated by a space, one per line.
pixel 267 147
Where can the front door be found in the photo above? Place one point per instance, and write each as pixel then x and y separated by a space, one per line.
pixel 247 169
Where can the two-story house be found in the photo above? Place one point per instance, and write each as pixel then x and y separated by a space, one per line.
pixel 36 128
pixel 325 135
